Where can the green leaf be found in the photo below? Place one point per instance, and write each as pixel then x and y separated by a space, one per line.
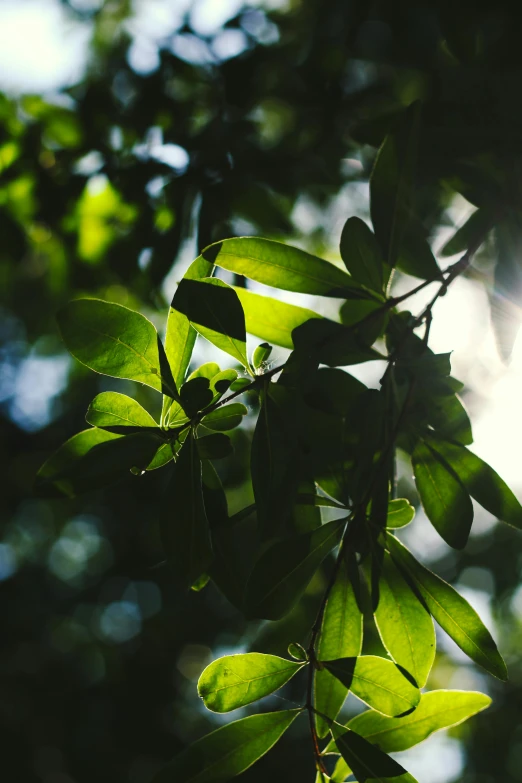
pixel 111 409
pixel 225 418
pixel 341 637
pixel 377 682
pixel 214 309
pixel 361 254
pixel 366 761
pixel 451 611
pixel 415 255
pixel 437 710
pixel 305 499
pixel 404 624
pixel 285 568
pixel 237 680
pixel 298 652
pixel 208 370
pixel 270 319
pixel 481 481
pixel 113 340
pixel 195 395
pixel 332 343
pixel 262 351
pixel 449 418
pixel 229 750
pixel 305 516
pixel 181 335
pixel 93 459
pixel 476 226
pixel 215 446
pixel 162 457
pixel 184 524
pixel 273 459
pixel 400 513
pixel 444 498
pixel 282 266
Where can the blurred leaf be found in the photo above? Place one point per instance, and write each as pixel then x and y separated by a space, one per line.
pixel 111 409
pixel 377 682
pixel 282 266
pixel 415 256
pixel 391 184
pixel 270 319
pixel 184 525
pixel 476 227
pixel 451 611
pixel 113 340
pixel 229 750
pixel 400 513
pixel 340 637
pixel 213 307
pixel 236 680
pixel 225 418
pixel 263 350
pixel 361 254
pixel 285 568
pixel 332 343
pixel 404 624
pixel 444 497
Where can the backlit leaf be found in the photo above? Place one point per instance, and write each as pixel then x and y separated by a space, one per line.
pixel 400 513
pixel 404 624
pixel 452 612
pixel 445 499
pixel 236 680
pixel 366 761
pixel 113 340
pixel 270 319
pixel 341 637
pixel 225 418
pixel 282 266
pixel 229 750
pixel 376 681
pixel 111 409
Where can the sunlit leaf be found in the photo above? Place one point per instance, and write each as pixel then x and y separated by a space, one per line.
pixel 236 680
pixel 445 499
pixel 341 637
pixel 404 624
pixel 452 612
pixel 116 341
pixel 376 681
pixel 437 710
pixel 285 568
pixel 229 750
pixel 111 409
pixel 282 266
pixel 270 319
pixel 400 513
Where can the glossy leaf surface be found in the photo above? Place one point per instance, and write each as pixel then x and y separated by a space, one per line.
pixel 111 409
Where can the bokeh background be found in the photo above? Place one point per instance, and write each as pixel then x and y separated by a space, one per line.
pixel 133 133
